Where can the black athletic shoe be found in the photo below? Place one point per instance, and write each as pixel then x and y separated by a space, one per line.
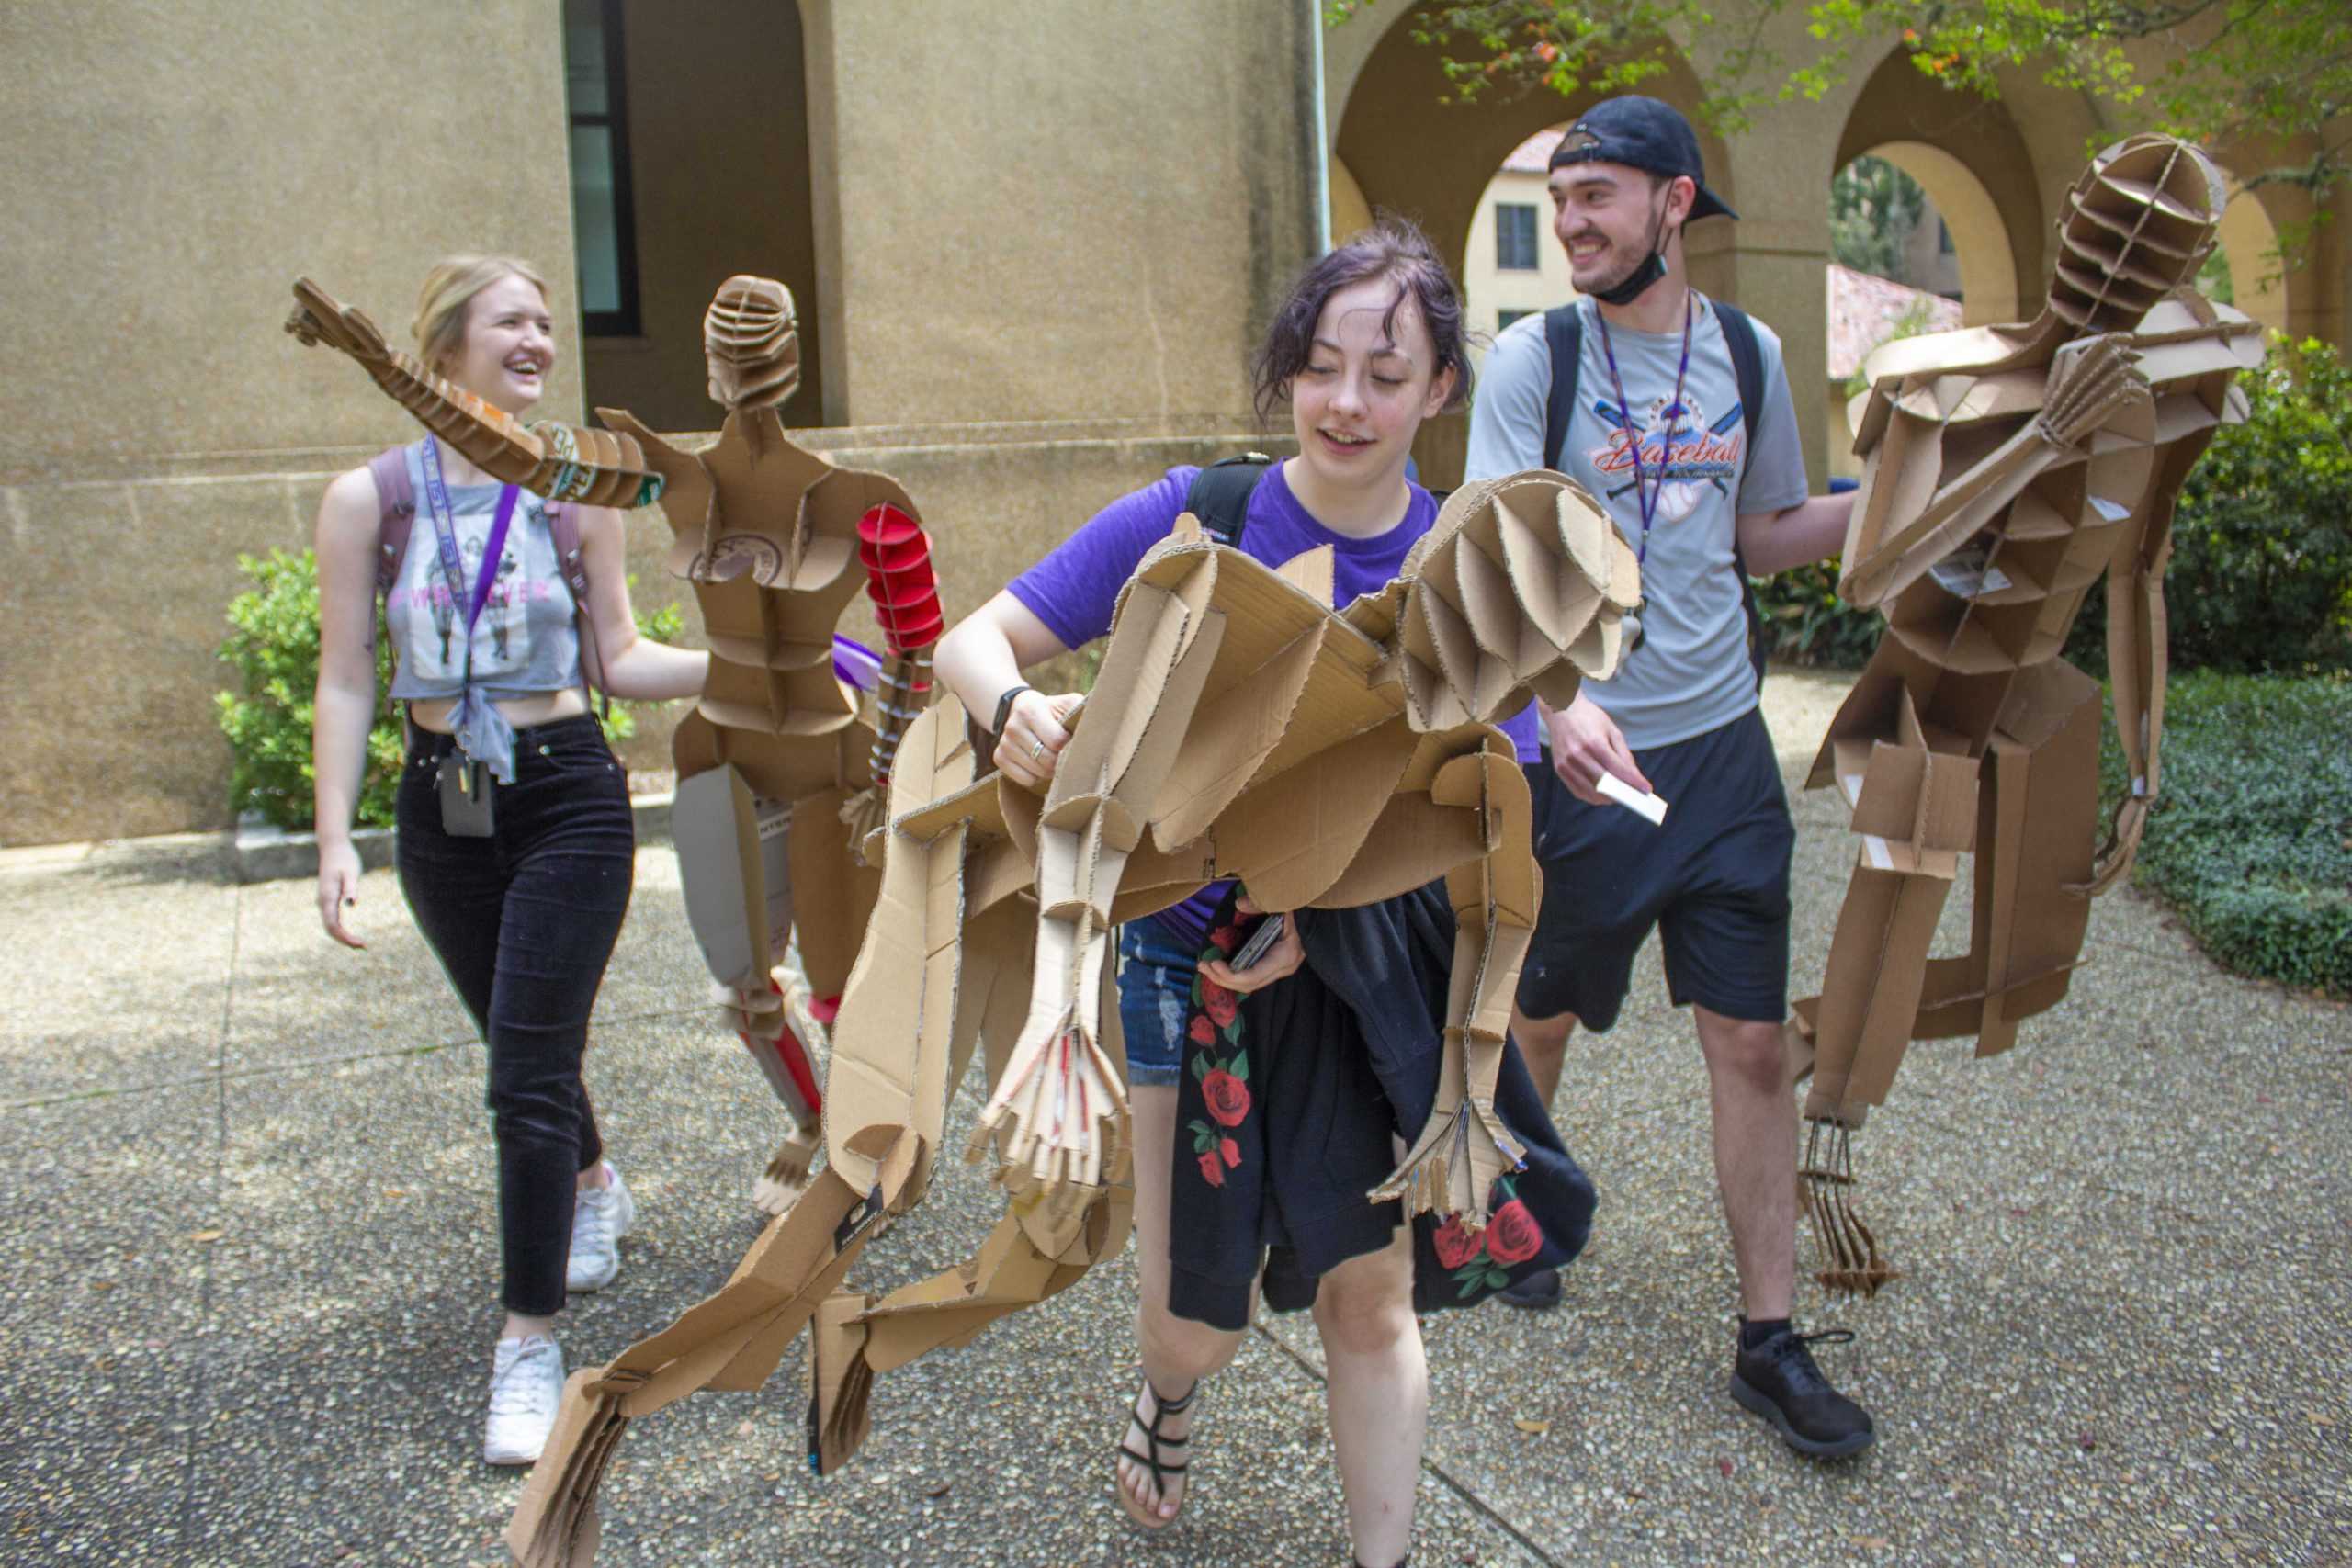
pixel 1540 1292
pixel 1779 1381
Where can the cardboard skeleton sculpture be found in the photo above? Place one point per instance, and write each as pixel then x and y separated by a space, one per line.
pixel 779 776
pixel 2006 468
pixel 1239 727
pixel 778 773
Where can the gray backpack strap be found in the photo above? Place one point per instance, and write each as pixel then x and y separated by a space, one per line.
pixel 395 509
pixel 563 527
pixel 396 498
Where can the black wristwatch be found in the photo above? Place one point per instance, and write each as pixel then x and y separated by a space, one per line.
pixel 1005 709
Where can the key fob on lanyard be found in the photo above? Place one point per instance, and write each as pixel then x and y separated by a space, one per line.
pixel 466 793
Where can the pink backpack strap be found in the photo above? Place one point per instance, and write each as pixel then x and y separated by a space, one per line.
pixel 563 527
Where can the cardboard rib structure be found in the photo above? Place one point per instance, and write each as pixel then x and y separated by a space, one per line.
pixel 2005 471
pixel 562 462
pixel 1239 727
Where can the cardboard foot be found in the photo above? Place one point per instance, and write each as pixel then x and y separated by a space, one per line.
pixel 555 1524
pixel 840 1382
pixel 786 1176
pixel 1851 1264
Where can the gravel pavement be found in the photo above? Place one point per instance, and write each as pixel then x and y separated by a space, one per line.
pixel 249 1241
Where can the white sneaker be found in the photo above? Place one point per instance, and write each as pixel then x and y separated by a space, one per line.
pixel 599 1217
pixel 526 1387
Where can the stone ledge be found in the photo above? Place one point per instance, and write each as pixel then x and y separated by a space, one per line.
pixel 259 853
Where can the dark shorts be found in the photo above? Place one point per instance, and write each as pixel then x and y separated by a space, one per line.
pixel 1714 879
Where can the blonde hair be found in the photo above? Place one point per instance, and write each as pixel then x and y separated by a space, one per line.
pixel 449 288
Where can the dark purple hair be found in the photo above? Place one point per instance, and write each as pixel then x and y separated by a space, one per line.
pixel 1392 248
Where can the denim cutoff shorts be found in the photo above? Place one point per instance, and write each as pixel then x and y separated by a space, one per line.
pixel 1154 996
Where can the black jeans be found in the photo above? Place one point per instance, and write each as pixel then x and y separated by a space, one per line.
pixel 522 923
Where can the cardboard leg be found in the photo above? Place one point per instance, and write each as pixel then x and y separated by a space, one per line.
pixel 796 1262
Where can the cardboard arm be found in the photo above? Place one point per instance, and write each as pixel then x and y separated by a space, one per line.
pixel 562 462
pixel 2138 660
pixel 1464 1148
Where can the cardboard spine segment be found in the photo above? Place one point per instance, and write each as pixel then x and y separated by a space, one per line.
pixel 2005 471
pixel 562 462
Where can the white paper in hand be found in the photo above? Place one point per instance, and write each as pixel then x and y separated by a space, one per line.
pixel 1625 795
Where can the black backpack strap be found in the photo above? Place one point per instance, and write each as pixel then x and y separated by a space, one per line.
pixel 1564 333
pixel 1747 372
pixel 1219 495
pixel 1747 364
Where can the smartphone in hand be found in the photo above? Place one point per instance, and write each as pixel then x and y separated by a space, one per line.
pixel 1269 931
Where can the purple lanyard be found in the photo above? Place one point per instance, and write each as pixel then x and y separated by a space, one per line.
pixel 445 534
pixel 1648 498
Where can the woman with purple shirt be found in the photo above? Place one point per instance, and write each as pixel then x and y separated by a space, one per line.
pixel 1368 346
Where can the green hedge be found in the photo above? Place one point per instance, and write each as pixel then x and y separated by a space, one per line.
pixel 274 645
pixel 2261 576
pixel 2251 837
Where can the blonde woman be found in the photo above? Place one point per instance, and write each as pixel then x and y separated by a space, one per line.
pixel 515 843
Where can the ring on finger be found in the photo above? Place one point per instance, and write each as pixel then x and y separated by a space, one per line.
pixel 1037 750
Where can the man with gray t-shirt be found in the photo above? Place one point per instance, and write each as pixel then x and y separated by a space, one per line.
pixel 1700 483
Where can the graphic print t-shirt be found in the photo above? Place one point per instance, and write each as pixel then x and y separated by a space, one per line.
pixel 525 640
pixel 1690 674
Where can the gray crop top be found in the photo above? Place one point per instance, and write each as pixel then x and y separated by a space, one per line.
pixel 525 640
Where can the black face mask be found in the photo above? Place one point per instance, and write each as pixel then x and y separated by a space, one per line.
pixel 1652 267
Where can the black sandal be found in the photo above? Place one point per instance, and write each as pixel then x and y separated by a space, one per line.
pixel 1161 1408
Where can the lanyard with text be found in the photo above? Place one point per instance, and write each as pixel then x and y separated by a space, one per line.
pixel 1648 496
pixel 445 534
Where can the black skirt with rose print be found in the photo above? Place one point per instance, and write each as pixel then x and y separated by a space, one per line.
pixel 1289 1106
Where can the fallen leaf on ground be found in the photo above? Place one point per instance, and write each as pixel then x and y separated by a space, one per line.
pixel 940 1490
pixel 208 1235
pixel 1724 1464
pixel 1532 1429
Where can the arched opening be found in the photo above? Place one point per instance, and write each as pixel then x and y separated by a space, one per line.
pixel 1513 265
pixel 1901 260
pixel 1409 151
pixel 2254 273
pixel 1967 153
pixel 1971 231
pixel 703 96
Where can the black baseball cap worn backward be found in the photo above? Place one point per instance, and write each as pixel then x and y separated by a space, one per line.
pixel 1641 133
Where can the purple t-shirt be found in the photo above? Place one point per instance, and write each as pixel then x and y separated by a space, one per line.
pixel 1075 589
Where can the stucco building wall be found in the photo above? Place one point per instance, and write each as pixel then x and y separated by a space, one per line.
pixel 1032 250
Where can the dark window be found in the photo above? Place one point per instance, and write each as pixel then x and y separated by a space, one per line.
pixel 603 222
pixel 1505 317
pixel 1514 236
pixel 1943 238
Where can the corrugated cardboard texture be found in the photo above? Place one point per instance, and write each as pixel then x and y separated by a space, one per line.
pixel 2006 469
pixel 1239 727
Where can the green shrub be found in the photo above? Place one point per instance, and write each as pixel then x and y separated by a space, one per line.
pixel 2251 839
pixel 274 645
pixel 1806 622
pixel 2261 574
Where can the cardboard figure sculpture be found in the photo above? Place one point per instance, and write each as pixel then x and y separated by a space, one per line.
pixel 2006 468
pixel 779 776
pixel 1238 728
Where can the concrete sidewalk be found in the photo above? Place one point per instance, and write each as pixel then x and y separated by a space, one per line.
pixel 250 1247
